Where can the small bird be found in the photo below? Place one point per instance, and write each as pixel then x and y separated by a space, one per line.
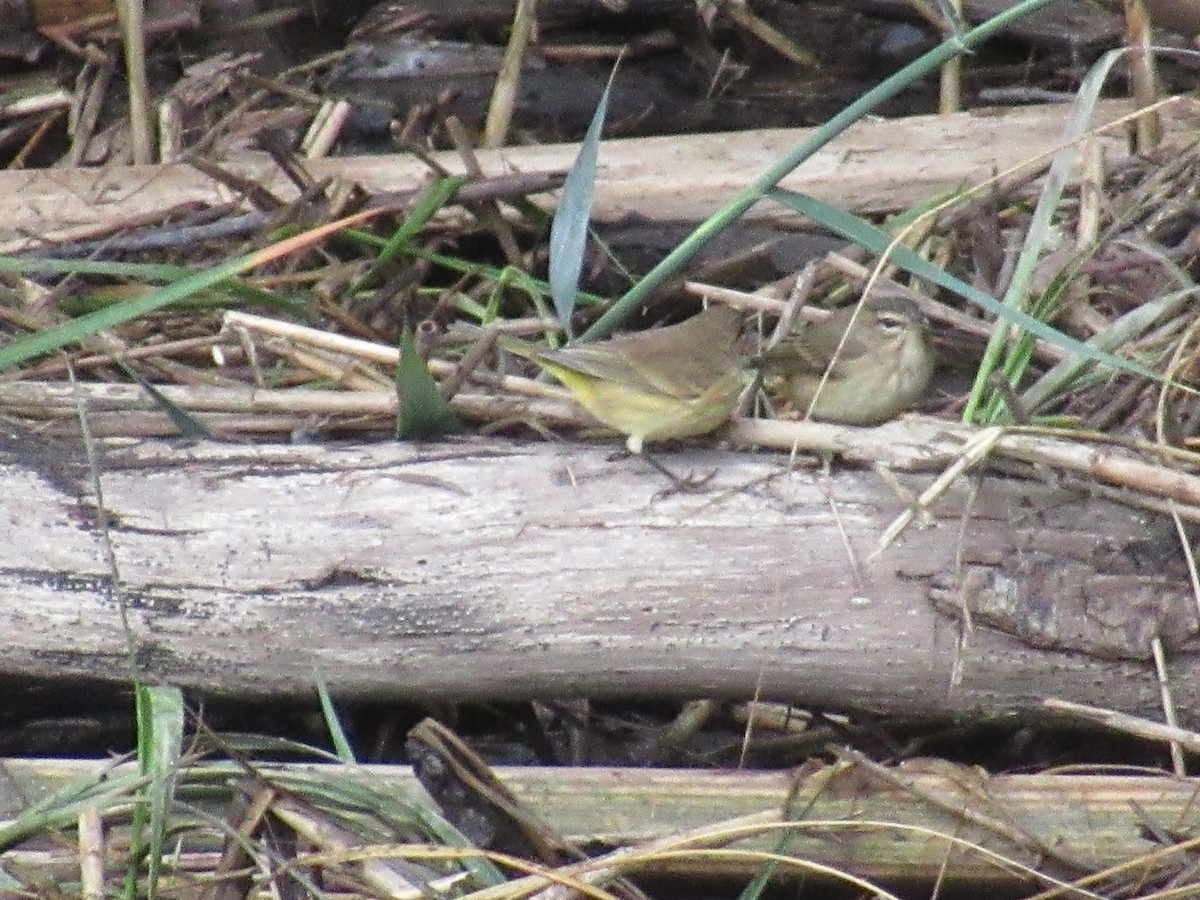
pixel 674 382
pixel 878 360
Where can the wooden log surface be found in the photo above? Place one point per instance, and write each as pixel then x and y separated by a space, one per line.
pixel 878 165
pixel 485 569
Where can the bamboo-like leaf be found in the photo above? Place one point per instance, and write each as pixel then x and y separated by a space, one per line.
pixel 569 229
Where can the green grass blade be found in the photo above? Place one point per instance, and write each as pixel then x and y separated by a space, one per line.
pixel 185 423
pixel 333 722
pixel 41 266
pixel 426 206
pixel 136 271
pixel 983 404
pixel 16 352
pixel 1125 329
pixel 25 348
pixel 160 718
pixel 61 809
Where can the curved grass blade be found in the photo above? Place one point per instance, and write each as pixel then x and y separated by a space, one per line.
pixel 403 806
pixel 1128 327
pixel 748 196
pixel 61 809
pixel 39 343
pixel 569 228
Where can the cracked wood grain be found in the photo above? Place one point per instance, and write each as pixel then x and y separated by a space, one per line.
pixel 484 569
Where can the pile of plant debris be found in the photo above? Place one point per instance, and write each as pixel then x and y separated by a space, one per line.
pixel 319 310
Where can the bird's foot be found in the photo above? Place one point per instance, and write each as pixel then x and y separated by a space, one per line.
pixel 691 483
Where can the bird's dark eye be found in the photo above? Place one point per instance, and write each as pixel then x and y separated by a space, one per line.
pixel 892 322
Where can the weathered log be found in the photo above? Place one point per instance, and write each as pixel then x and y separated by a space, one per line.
pixel 876 166
pixel 480 569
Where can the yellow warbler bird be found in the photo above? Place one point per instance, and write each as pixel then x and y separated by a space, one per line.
pixel 674 382
pixel 878 361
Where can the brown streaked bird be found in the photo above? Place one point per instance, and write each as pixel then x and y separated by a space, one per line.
pixel 880 369
pixel 673 382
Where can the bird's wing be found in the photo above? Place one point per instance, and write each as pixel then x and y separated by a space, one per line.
pixel 600 362
pixel 681 361
pixel 685 360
